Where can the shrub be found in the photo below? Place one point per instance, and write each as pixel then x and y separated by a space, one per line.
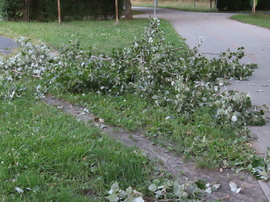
pixel 237 5
pixel 13 9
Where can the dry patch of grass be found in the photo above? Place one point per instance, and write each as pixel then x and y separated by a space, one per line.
pixel 262 20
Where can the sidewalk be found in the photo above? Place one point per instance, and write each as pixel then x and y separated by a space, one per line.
pixel 6 45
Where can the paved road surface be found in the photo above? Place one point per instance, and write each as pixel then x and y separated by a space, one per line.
pixel 221 33
pixel 6 45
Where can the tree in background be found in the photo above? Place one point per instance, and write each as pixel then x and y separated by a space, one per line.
pixel 211 4
pixel 47 10
pixel 15 9
pixel 59 11
pixel 128 10
pixel 26 10
pixel 253 3
pixel 239 5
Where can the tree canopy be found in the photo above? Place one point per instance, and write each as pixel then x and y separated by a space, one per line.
pixel 47 10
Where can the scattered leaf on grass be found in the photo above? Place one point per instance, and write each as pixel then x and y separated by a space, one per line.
pixel 137 193
pixel 216 186
pixel 114 188
pixel 99 120
pixel 86 110
pixel 208 190
pixel 140 199
pixel 152 187
pixel 234 187
pixel 212 188
pixel 60 107
pixel 19 190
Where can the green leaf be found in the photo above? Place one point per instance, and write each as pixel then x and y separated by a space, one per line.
pixel 201 184
pixel 114 188
pixel 129 191
pixel 152 187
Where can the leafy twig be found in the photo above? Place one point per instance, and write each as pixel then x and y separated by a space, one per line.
pixel 171 50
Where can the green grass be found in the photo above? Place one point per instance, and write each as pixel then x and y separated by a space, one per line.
pixel 54 157
pixel 134 113
pixel 262 20
pixel 60 158
pixel 102 36
pixel 199 138
pixel 187 5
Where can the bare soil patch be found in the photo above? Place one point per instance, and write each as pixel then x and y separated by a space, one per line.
pixel 173 163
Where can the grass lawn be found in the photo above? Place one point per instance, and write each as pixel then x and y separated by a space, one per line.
pixel 52 156
pixel 262 20
pixel 101 36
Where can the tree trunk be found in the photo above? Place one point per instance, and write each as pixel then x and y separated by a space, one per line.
pixel 116 11
pixel 26 10
pixel 59 11
pixel 128 10
pixel 254 7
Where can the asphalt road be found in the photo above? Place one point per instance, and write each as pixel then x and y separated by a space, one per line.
pixel 6 45
pixel 221 33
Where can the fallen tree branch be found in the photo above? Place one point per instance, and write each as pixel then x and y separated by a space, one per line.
pixel 160 200
pixel 175 49
pixel 17 72
pixel 21 73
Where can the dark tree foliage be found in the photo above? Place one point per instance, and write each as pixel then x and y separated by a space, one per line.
pixel 238 5
pixel 46 10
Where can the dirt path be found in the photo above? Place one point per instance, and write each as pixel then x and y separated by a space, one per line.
pixel 183 171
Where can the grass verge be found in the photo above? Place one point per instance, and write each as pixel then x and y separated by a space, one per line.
pixel 262 20
pixel 198 139
pixel 101 36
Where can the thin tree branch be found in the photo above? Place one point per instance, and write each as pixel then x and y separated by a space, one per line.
pixel 175 49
